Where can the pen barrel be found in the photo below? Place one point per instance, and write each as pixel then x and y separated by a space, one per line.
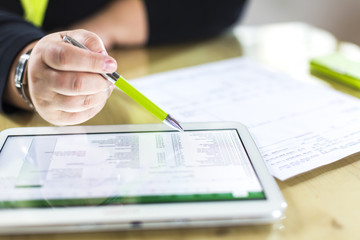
pixel 132 92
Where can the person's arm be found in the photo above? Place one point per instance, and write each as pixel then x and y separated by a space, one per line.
pixel 122 22
pixel 16 37
pixel 139 22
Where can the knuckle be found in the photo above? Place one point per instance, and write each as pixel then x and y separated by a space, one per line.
pixel 88 100
pixel 61 56
pixel 58 55
pixel 77 83
pixel 91 41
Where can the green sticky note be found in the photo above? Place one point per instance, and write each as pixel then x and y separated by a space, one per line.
pixel 337 67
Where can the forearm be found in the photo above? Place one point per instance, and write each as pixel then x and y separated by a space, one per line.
pixel 11 95
pixel 15 37
pixel 123 22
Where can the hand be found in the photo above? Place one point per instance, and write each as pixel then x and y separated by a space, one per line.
pixel 64 81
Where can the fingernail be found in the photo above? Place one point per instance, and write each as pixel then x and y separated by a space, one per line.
pixel 110 66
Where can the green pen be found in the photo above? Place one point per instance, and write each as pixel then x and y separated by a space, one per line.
pixel 127 88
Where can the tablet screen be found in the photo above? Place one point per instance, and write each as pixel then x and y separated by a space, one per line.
pixel 126 168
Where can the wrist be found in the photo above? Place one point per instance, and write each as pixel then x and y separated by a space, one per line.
pixel 11 95
pixel 21 79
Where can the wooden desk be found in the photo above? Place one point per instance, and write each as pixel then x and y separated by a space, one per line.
pixel 323 203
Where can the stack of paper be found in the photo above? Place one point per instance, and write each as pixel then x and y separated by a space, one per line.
pixel 297 126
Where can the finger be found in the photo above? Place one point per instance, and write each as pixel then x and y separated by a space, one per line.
pixel 91 41
pixel 79 103
pixel 75 83
pixel 69 118
pixel 66 57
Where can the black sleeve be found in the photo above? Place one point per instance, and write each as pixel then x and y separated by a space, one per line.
pixel 15 34
pixel 182 20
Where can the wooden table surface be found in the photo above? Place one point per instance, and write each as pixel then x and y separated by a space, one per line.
pixel 322 204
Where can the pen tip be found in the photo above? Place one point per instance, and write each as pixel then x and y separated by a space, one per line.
pixel 173 123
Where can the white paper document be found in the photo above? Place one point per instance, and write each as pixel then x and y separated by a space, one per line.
pixel 297 126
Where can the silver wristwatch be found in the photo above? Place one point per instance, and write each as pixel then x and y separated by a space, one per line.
pixel 20 77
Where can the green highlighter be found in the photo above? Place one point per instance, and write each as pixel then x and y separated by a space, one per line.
pixel 132 92
pixel 337 67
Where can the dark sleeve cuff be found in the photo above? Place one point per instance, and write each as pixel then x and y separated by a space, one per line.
pixel 15 34
pixel 178 21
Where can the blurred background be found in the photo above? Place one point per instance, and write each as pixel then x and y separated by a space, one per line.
pixel 340 17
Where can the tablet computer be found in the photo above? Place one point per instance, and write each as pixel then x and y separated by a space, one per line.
pixel 96 178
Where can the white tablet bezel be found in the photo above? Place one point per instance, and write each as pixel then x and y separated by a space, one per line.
pixel 148 215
